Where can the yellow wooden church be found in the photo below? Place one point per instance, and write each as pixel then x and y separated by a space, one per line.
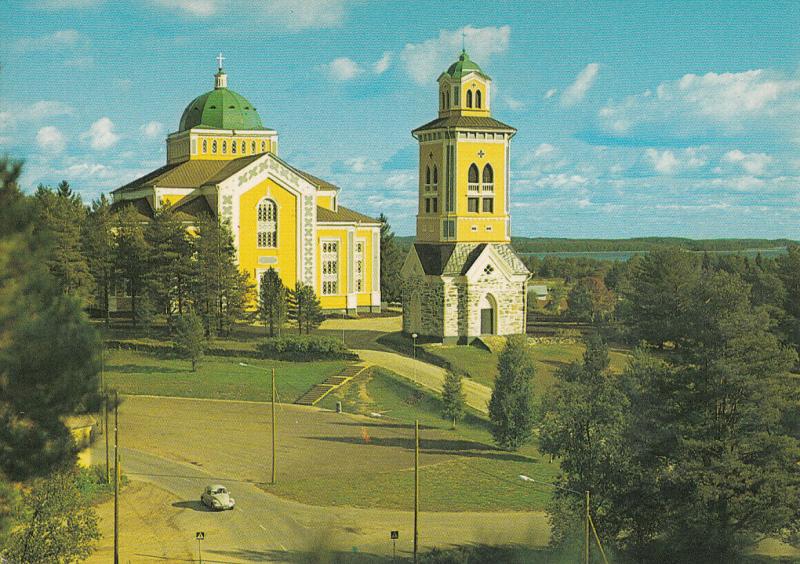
pixel 222 161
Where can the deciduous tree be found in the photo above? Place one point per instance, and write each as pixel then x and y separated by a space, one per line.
pixel 190 338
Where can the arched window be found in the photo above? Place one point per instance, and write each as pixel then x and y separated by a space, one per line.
pixel 244 147
pixel 488 174
pixel 267 224
pixel 214 146
pixel 469 98
pixel 263 146
pixel 224 147
pixel 472 176
pixel 435 176
pixel 448 99
pixel 233 147
pixel 253 147
pixel 477 98
pixel 205 145
pixel 427 175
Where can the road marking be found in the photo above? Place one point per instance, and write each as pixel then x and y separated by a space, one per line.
pixel 283 548
pixel 263 528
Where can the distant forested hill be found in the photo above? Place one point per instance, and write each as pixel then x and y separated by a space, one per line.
pixel 553 245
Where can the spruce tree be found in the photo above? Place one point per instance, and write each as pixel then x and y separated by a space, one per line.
pixel 308 310
pixel 190 338
pixel 131 261
pixel 453 398
pixel 511 406
pixel 391 262
pixel 272 301
pixel 98 247
pixel 170 263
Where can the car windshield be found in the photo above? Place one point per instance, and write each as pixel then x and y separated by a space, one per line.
pixel 220 491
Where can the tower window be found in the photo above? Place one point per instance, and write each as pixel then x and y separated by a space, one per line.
pixel 435 176
pixel 244 147
pixel 233 147
pixel 205 145
pixel 455 95
pixel 469 98
pixel 488 205
pixel 448 99
pixel 488 178
pixel 330 268
pixel 473 178
pixel 477 98
pixel 472 205
pixel 253 147
pixel 443 100
pixel 267 224
pixel 435 202
pixel 263 147
pixel 214 146
pixel 224 147
pixel 427 177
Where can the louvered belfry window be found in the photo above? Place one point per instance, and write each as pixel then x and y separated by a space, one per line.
pixel 267 228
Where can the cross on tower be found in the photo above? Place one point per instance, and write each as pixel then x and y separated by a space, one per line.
pixel 463 42
pixel 481 154
pixel 220 58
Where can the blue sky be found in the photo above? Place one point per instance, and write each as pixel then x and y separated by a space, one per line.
pixel 650 118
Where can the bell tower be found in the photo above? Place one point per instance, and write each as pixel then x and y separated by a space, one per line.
pixel 464 162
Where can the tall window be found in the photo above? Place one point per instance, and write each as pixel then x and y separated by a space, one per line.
pixel 253 147
pixel 330 268
pixel 244 147
pixel 263 147
pixel 427 177
pixel 214 146
pixel 443 100
pixel 488 174
pixel 435 176
pixel 473 179
pixel 233 147
pixel 267 225
pixel 224 147
pixel 469 98
pixel 359 266
pixel 477 98
pixel 205 145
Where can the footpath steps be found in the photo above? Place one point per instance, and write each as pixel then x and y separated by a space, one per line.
pixel 319 391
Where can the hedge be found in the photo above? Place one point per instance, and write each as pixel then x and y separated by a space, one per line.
pixel 305 348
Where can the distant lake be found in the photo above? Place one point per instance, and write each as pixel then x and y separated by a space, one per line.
pixel 625 255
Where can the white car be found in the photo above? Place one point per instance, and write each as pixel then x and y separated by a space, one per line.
pixel 216 497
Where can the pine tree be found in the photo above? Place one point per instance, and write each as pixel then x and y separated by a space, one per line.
pixel 272 301
pixel 61 217
pixel 511 406
pixel 98 247
pixel 131 261
pixel 453 398
pixel 220 291
pixel 170 264
pixel 391 263
pixel 190 338
pixel 307 309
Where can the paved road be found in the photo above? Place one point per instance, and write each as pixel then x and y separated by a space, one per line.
pixel 427 375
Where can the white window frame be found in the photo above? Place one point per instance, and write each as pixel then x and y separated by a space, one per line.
pixel 359 265
pixel 329 276
pixel 267 224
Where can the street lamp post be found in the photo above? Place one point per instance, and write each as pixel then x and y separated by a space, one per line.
pixel 587 519
pixel 414 353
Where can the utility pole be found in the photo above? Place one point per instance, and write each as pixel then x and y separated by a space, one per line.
pixel 273 427
pixel 416 488
pixel 116 478
pixel 586 532
pixel 105 417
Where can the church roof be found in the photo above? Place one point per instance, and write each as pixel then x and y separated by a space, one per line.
pixel 193 207
pixel 221 108
pixel 455 259
pixel 471 122
pixel 343 215
pixel 140 205
pixel 463 66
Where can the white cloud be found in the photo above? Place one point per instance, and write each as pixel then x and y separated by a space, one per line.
pixel 550 93
pixel 362 164
pixel 424 61
pixel 513 103
pixel 38 111
pixel 343 68
pixel 62 39
pixel 752 163
pixel 400 180
pixel 197 8
pixel 701 104
pixel 663 162
pixel 306 14
pixel 152 129
pixel 80 62
pixel 543 150
pixel 382 64
pixel 51 139
pixel 561 180
pixel 101 134
pixel 669 162
pixel 578 89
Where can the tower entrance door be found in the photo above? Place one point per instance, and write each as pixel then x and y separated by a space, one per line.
pixel 488 308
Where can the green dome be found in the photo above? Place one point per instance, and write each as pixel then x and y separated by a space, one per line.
pixel 464 65
pixel 220 108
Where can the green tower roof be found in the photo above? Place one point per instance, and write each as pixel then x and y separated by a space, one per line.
pixel 464 65
pixel 220 108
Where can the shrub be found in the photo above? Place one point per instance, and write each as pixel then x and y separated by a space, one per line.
pixel 305 348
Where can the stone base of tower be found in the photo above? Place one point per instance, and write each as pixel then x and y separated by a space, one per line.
pixel 456 292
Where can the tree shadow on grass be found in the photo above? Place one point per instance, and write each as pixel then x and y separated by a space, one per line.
pixel 433 446
pixel 144 369
pixel 309 557
pixel 386 425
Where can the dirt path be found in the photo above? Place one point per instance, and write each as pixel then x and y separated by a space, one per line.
pixel 427 376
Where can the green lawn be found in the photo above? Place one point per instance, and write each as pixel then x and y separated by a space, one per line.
pixel 481 365
pixel 132 372
pixel 461 470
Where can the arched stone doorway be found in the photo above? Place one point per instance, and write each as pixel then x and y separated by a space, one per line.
pixel 488 309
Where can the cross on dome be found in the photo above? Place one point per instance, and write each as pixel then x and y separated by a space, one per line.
pixel 220 58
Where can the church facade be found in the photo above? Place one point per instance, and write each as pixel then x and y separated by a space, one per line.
pixel 223 162
pixel 462 279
